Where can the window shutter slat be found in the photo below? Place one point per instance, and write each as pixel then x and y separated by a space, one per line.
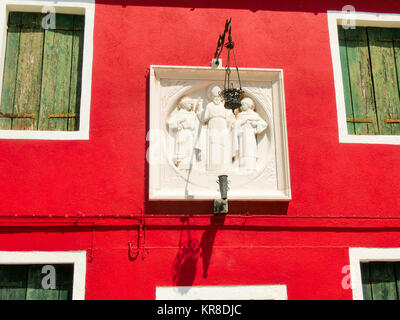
pixel 396 46
pixel 56 76
pixel 64 281
pixel 397 276
pixel 13 282
pixel 35 290
pixel 66 22
pixel 79 22
pixel 383 281
pixel 30 20
pixel 28 82
pixel 14 19
pixel 362 92
pixel 346 79
pixel 384 77
pixel 366 284
pixel 10 70
pixel 76 76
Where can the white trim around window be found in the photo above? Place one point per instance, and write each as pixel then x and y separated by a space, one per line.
pixel 77 258
pixel 252 292
pixel 358 255
pixel 362 19
pixel 85 7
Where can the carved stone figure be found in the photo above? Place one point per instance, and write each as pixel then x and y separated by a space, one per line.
pixel 248 125
pixel 184 122
pixel 219 123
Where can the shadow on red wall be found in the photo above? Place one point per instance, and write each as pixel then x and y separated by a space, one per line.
pixel 207 207
pixel 190 250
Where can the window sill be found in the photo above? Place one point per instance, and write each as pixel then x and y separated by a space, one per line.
pixel 371 139
pixel 44 135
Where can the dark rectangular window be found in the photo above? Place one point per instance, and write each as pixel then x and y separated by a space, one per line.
pixel 24 282
pixel 381 280
pixel 41 87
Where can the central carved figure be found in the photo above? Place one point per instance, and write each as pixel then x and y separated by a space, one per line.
pixel 212 138
pixel 219 123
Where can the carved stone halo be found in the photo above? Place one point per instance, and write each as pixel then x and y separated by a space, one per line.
pixel 200 139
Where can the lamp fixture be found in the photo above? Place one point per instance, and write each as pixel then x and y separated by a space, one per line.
pixel 232 96
pixel 221 205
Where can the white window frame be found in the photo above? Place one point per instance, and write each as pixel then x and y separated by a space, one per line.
pixel 362 19
pixel 85 7
pixel 358 255
pixel 252 292
pixel 77 258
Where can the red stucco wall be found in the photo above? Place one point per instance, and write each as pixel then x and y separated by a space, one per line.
pixel 108 175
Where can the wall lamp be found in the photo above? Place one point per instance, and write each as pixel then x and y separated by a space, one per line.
pixel 232 96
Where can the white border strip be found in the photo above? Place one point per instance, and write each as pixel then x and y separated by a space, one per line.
pixel 77 258
pixel 335 18
pixel 254 292
pixel 86 7
pixel 358 255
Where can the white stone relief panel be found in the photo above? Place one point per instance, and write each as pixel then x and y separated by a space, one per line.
pixel 193 138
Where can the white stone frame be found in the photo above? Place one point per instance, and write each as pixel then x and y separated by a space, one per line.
pixel 86 7
pixel 362 19
pixel 187 73
pixel 252 292
pixel 77 258
pixel 358 255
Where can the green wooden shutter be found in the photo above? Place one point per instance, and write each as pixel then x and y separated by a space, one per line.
pixel 27 89
pixel 24 282
pixel 13 282
pixel 64 282
pixel 21 84
pixel 396 46
pixel 381 280
pixel 61 74
pixel 76 73
pixel 346 81
pixel 370 59
pixel 366 284
pixel 385 78
pixel 361 85
pixel 34 289
pixel 10 70
pixel 42 75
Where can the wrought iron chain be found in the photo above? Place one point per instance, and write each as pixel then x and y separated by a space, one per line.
pixel 230 45
pixel 221 39
pixel 231 95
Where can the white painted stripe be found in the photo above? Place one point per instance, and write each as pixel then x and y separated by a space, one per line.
pixel 252 292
